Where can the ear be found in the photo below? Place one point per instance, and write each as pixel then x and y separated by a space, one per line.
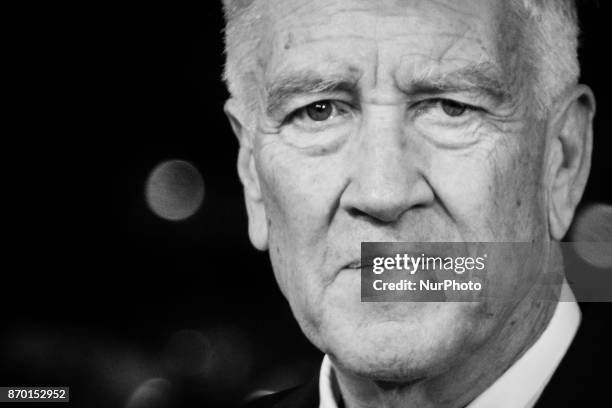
pixel 247 171
pixel 569 159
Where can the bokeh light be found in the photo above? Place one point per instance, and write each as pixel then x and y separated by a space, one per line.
pixel 174 190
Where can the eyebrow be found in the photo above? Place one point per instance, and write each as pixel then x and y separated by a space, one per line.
pixel 307 82
pixel 483 78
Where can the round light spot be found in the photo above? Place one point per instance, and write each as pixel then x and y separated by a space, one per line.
pixel 174 190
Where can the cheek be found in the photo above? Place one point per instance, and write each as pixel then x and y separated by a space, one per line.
pixel 297 196
pixel 522 196
pixel 491 191
pixel 300 194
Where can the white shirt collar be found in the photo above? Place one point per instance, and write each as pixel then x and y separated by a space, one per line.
pixel 522 384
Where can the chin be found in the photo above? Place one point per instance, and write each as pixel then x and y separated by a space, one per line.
pixel 420 345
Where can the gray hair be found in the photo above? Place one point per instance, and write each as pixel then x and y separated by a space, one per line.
pixel 551 48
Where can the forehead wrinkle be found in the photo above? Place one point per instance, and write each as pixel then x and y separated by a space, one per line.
pixel 416 34
pixel 323 10
pixel 449 6
pixel 326 38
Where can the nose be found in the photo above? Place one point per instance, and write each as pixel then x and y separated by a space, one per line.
pixel 387 177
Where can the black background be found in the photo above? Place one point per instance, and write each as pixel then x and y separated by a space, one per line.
pixel 94 285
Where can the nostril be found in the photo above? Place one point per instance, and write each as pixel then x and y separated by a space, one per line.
pixel 368 216
pixel 356 212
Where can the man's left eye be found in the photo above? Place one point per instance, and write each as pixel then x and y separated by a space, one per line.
pixel 453 108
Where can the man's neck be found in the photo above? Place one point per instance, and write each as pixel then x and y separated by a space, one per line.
pixel 463 382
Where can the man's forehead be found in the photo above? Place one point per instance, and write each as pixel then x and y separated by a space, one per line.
pixel 348 32
pixel 297 13
pixel 303 19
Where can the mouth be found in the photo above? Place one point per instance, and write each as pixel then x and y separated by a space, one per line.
pixel 358 265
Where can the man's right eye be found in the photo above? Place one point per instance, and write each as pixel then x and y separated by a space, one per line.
pixel 325 122
pixel 320 111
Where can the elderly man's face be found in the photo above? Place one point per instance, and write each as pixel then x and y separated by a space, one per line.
pixel 390 121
